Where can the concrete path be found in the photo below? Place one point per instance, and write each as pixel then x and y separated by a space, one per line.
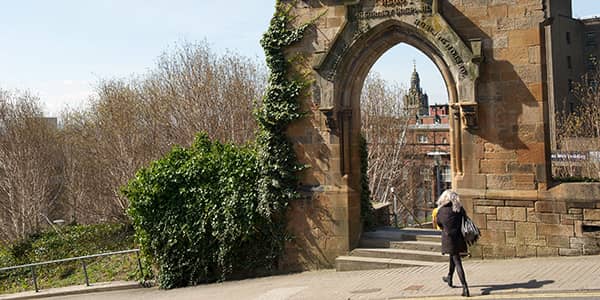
pixel 74 290
pixel 489 279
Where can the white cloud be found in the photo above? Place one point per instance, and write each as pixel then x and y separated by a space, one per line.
pixel 58 95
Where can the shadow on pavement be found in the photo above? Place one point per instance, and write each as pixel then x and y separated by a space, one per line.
pixel 531 284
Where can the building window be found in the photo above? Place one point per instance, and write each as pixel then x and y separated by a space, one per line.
pixel 568 38
pixel 444 141
pixel 418 119
pixel 569 62
pixel 422 139
pixel 590 38
pixel 446 174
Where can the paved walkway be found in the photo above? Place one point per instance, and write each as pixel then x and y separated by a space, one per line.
pixel 494 278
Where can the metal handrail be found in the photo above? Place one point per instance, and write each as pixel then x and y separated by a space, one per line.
pixel 81 258
pixel 405 208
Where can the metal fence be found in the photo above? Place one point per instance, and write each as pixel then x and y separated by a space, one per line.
pixel 33 266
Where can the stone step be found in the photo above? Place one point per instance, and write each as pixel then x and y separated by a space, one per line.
pixel 402 254
pixel 390 247
pixel 374 243
pixel 355 263
pixel 413 234
pixel 416 245
pixel 409 245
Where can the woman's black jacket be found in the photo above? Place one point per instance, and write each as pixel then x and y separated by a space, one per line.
pixel 453 242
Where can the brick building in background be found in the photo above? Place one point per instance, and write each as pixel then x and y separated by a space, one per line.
pixel 429 135
pixel 572 50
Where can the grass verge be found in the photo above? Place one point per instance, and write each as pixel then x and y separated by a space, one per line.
pixel 71 241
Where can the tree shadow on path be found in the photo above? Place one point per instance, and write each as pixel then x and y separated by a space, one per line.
pixel 531 284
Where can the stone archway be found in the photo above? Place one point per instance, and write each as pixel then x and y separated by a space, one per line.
pixel 369 30
pixel 367 35
pixel 498 125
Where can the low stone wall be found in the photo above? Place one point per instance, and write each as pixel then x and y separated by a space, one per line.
pixel 382 212
pixel 565 220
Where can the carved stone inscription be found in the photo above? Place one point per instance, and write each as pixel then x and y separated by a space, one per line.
pixel 362 17
pixel 395 8
pixel 351 32
pixel 329 69
pixel 447 46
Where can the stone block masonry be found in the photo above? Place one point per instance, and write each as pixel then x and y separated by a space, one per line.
pixel 492 56
pixel 546 226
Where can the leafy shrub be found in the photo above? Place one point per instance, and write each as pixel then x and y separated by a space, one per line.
pixel 216 211
pixel 196 214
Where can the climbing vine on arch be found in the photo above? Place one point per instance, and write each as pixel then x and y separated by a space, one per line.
pixel 217 211
pixel 280 107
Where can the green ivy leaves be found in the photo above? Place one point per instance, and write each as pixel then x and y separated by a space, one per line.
pixel 277 161
pixel 195 214
pixel 216 210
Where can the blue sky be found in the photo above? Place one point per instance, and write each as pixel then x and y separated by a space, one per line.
pixel 59 49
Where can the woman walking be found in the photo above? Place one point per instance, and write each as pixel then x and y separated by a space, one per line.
pixel 449 218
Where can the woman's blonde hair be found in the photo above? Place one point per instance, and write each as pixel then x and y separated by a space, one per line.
pixel 450 196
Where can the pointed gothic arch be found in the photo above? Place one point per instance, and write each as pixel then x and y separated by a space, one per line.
pixel 497 122
pixel 343 69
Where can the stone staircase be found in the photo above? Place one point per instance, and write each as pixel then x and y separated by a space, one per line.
pixel 389 247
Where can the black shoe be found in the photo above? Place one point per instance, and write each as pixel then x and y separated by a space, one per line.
pixel 465 292
pixel 448 280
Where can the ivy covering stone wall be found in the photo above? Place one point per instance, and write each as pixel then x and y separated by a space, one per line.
pixel 217 211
